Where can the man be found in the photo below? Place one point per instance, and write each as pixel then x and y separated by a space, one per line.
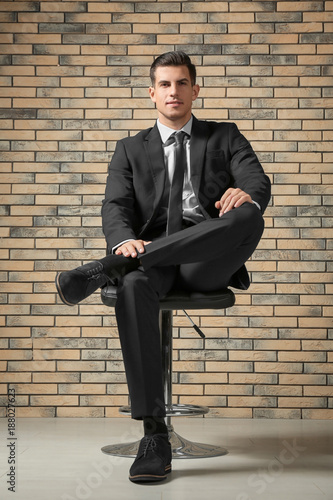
pixel 160 236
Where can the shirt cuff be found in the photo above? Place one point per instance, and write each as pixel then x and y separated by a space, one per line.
pixel 119 245
pixel 257 205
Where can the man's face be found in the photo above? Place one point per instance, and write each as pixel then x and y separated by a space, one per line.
pixel 173 95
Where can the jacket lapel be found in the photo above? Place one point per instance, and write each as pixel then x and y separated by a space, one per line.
pixel 155 155
pixel 199 138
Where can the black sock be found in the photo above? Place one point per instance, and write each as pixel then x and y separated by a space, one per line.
pixel 154 425
pixel 115 266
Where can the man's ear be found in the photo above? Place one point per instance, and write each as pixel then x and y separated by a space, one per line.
pixel 151 91
pixel 195 91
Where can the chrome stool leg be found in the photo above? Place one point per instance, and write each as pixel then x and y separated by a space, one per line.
pixel 181 447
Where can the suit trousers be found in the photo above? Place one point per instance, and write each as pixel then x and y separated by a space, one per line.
pixel 201 258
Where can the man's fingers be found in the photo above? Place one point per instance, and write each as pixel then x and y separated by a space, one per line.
pixel 243 199
pixel 232 198
pixel 132 248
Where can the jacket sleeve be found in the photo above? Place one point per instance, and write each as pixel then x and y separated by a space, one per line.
pixel 246 169
pixel 118 209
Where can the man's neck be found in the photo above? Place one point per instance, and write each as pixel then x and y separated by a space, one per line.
pixel 175 125
pixel 165 130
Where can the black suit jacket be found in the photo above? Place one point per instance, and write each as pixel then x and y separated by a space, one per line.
pixel 221 157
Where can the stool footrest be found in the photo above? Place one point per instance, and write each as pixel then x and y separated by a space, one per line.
pixel 176 410
pixel 181 448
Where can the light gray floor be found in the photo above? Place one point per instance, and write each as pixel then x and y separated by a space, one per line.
pixel 60 459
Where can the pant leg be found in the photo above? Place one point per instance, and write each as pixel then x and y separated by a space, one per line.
pixel 208 254
pixel 210 275
pixel 137 313
pixel 231 238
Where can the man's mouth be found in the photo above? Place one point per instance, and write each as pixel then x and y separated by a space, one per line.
pixel 174 103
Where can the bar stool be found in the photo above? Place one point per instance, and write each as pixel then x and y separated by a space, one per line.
pixel 175 299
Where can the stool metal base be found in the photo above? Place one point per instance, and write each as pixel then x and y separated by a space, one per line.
pixel 181 448
pixel 175 410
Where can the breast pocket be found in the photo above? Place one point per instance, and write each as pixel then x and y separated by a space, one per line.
pixel 215 153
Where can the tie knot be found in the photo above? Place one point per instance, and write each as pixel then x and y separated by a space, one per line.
pixel 180 137
pixel 176 137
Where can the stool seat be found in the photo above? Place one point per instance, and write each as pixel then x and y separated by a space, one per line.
pixel 174 300
pixel 180 299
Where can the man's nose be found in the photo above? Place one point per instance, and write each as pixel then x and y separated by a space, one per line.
pixel 173 89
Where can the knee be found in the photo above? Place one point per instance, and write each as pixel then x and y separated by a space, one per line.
pixel 250 217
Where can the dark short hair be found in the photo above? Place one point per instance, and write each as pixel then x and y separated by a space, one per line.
pixel 176 58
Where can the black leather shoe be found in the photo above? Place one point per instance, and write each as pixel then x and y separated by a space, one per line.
pixel 74 286
pixel 153 461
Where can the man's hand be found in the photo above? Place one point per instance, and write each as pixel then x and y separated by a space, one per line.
pixel 232 198
pixel 132 248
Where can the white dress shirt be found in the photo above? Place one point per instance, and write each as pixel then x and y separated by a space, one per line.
pixel 191 209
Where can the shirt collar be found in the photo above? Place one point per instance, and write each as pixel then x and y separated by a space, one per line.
pixel 166 132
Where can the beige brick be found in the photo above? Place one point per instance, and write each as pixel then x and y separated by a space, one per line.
pixel 15 332
pixel 30 412
pixel 76 412
pixel 132 39
pixel 278 367
pixel 276 413
pixel 318 391
pixel 29 27
pixel 251 401
pixel 320 414
pixel 301 6
pixel 219 389
pixel 57 354
pixel 29 321
pixel 54 400
pixel 303 357
pixel 313 17
pixel 203 378
pixel 316 300
pixel 194 390
pixel 303 402
pixel 35 388
pixel 302 379
pixel 103 400
pixel 226 39
pixel 228 367
pixel 25 354
pixel 180 39
pixel 23 366
pixel 203 400
pixel 280 390
pixel 58 378
pixel 12 378
pixel 26 298
pixel 315 322
pixel 251 355
pixel 82 388
pixel 78 321
pixel 110 7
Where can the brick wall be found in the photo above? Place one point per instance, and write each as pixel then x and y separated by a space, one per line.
pixel 73 82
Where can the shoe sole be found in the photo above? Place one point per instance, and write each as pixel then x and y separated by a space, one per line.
pixel 60 291
pixel 150 478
